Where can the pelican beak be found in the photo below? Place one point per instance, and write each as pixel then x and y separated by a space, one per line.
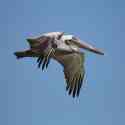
pixel 88 47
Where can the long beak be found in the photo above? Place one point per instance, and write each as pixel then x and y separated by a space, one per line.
pixel 88 47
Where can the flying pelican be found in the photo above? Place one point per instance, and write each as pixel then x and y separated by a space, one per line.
pixel 65 49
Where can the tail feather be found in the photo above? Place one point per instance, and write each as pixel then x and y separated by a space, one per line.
pixel 31 43
pixel 21 54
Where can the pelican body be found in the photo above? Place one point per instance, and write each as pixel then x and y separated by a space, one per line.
pixel 64 48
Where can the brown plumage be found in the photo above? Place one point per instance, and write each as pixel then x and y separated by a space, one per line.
pixel 66 50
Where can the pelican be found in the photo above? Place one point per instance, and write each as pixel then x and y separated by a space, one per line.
pixel 65 49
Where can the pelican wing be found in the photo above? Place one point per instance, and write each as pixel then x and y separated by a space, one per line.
pixel 74 71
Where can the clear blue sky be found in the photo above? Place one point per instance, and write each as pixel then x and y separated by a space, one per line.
pixel 30 97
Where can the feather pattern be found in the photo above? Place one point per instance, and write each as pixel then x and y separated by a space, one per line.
pixel 74 71
pixel 66 50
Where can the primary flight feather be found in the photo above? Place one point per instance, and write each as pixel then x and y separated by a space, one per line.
pixel 65 49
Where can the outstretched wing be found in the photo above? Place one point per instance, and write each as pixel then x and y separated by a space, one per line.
pixel 74 71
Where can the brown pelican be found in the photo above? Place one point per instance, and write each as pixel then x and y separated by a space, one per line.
pixel 65 49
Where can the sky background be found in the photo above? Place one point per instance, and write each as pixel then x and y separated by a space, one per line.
pixel 30 97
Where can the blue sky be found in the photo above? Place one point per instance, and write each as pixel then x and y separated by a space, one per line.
pixel 30 97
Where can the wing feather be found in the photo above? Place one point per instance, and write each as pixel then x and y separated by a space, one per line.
pixel 74 71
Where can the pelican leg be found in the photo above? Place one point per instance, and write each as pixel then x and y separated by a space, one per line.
pixel 48 56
